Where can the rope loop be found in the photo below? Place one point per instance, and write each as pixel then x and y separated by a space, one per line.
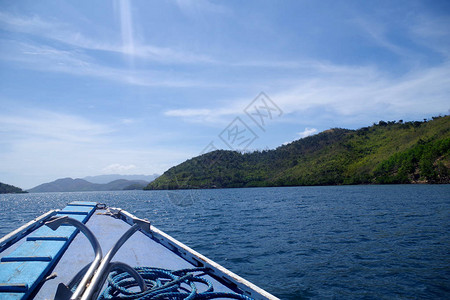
pixel 164 284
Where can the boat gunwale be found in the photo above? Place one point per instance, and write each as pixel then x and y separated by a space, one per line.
pixel 16 235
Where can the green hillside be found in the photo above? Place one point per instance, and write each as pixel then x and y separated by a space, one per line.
pixel 387 152
pixel 9 189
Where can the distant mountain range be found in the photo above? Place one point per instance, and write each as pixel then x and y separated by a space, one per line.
pixel 111 177
pixel 387 152
pixel 82 185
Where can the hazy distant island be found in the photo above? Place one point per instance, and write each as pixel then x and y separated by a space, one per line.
pixel 393 152
pixel 95 183
pixel 10 189
pixel 111 177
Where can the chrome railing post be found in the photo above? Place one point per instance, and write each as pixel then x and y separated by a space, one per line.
pixel 100 276
pixel 54 224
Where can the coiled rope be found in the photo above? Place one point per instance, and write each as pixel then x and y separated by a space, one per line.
pixel 164 284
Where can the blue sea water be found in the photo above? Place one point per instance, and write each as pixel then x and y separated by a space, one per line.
pixel 346 242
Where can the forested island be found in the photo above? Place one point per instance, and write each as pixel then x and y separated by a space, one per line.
pixel 393 152
pixel 9 189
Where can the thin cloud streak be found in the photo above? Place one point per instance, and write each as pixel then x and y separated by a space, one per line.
pixel 188 112
pixel 376 33
pixel 420 92
pixel 46 125
pixel 433 33
pixel 194 8
pixel 119 169
pixel 44 58
pixel 126 28
pixel 128 46
pixel 350 92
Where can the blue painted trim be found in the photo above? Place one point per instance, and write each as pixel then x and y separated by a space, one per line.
pixel 73 212
pixel 14 287
pixel 47 238
pixel 27 258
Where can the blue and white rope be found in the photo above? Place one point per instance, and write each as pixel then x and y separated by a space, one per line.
pixel 164 284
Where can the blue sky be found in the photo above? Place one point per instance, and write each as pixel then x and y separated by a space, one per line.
pixel 135 87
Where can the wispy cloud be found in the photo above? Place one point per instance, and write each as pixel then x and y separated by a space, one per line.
pixel 49 59
pixel 433 33
pixel 126 28
pixel 196 7
pixel 128 121
pixel 215 115
pixel 307 132
pixel 118 169
pixel 375 94
pixel 50 126
pixel 349 92
pixel 420 33
pixel 188 112
pixel 127 46
pixel 377 33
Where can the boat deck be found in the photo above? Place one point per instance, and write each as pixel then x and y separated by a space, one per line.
pixel 62 253
pixel 138 251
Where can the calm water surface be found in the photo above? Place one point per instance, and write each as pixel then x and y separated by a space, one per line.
pixel 350 242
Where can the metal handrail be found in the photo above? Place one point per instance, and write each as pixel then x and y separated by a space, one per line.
pixel 97 271
pixel 100 276
pixel 54 224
